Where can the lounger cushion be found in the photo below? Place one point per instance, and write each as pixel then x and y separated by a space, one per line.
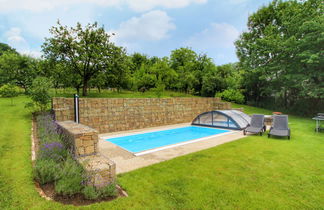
pixel 279 132
pixel 253 129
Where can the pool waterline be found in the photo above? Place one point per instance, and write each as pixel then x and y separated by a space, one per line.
pixel 141 143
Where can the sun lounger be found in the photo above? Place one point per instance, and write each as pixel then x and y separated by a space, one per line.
pixel 280 126
pixel 256 125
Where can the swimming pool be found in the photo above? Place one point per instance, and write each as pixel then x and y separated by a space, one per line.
pixel 147 141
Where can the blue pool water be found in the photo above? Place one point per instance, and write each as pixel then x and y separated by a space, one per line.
pixel 146 141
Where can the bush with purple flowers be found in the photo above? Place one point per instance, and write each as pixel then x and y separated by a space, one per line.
pixel 47 128
pixel 54 151
pixel 55 163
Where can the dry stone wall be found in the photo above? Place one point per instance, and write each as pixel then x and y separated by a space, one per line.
pixel 118 114
pixel 84 140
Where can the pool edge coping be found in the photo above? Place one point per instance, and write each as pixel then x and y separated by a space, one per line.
pixel 144 152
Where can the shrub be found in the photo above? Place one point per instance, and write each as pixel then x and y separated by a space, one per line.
pixel 46 171
pixel 90 192
pixel 71 178
pixel 39 93
pixel 48 130
pixel 53 150
pixel 9 91
pixel 231 95
pixel 108 191
pixel 159 89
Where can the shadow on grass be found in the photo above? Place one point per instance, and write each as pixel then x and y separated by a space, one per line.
pixel 282 138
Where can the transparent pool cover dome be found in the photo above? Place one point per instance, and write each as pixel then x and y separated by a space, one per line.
pixel 231 119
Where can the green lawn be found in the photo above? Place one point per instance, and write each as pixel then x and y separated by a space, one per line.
pixel 254 172
pixel 114 94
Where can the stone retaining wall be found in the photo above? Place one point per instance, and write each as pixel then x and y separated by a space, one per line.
pixel 118 114
pixel 84 140
pixel 100 170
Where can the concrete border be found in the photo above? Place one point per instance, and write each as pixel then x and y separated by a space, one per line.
pixel 127 161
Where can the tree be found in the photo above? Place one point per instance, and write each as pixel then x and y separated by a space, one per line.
pixel 143 79
pixel 282 52
pixel 183 61
pixel 83 51
pixel 4 48
pixel 137 60
pixel 118 68
pixel 9 91
pixel 164 74
pixel 39 93
pixel 18 69
pixel 204 67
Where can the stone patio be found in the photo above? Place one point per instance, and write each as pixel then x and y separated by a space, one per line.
pixel 127 161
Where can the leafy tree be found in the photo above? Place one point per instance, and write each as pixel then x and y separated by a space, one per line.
pixel 231 95
pixel 4 48
pixel 19 69
pixel 204 67
pixel 39 93
pixel 9 91
pixel 118 68
pixel 143 80
pixel 83 51
pixel 137 60
pixel 282 52
pixel 183 61
pixel 164 74
pixel 99 81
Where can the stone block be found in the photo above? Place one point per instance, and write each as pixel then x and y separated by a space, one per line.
pixel 100 170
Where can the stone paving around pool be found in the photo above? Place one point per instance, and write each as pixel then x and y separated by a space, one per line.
pixel 127 161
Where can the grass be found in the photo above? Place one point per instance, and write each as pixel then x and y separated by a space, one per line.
pixel 250 173
pixel 94 93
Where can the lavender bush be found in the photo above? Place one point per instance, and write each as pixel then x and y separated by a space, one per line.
pixel 47 128
pixel 54 151
pixel 55 163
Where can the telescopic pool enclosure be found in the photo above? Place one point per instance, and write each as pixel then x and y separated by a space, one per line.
pixel 231 119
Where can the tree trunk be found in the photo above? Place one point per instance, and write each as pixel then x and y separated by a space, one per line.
pixel 85 88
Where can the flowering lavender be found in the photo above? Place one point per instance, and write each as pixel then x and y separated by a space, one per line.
pixel 53 150
pixel 47 128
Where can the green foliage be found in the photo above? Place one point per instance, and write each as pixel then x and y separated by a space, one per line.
pixel 143 79
pixel 159 89
pixel 4 48
pixel 183 61
pixel 118 68
pixel 90 193
pixel 53 151
pixel 39 93
pixel 282 53
pixel 108 190
pixel 71 178
pixel 46 171
pixel 93 193
pixel 18 69
pixel 84 52
pixel 9 91
pixel 231 95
